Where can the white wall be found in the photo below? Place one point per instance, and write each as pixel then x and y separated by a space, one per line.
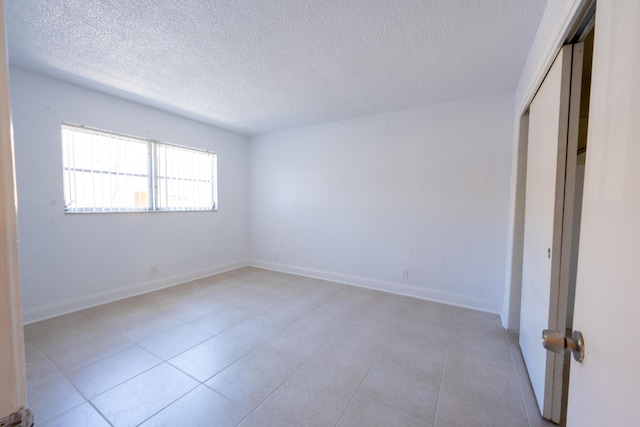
pixel 358 201
pixel 71 261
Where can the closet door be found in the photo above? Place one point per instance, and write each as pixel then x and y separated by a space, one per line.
pixel 548 204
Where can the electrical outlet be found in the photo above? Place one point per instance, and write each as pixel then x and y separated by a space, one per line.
pixel 153 270
pixel 404 274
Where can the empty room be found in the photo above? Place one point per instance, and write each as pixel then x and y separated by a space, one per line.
pixel 332 213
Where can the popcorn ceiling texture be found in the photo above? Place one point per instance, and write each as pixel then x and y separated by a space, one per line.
pixel 256 66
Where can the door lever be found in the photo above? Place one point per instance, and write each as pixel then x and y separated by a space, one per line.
pixel 556 342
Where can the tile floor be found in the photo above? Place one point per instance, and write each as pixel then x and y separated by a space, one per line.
pixel 259 348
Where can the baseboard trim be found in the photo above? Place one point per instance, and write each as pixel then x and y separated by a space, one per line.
pixel 80 303
pixel 385 286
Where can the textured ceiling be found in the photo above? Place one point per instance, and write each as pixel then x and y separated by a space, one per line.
pixel 256 66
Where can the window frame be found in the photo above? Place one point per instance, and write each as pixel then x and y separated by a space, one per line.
pixel 152 175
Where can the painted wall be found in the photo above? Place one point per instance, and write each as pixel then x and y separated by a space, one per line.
pixel 358 201
pixel 71 261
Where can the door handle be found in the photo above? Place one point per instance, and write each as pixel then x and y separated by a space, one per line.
pixel 556 342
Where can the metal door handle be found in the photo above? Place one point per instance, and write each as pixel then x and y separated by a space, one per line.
pixel 556 341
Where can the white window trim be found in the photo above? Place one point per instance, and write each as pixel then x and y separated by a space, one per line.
pixel 152 204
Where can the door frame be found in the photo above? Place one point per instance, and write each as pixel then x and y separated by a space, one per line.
pixel 13 398
pixel 549 367
pixel 571 25
pixel 559 25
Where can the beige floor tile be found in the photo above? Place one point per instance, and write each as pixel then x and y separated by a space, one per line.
pixel 302 403
pixel 116 314
pixel 248 382
pixel 186 308
pixel 254 377
pixel 358 341
pixel 349 301
pixel 393 306
pixel 256 305
pixel 66 331
pixel 206 290
pixel 38 367
pixel 252 332
pixel 88 350
pixel 430 312
pixel 253 421
pixel 480 374
pixel 324 322
pixel 51 397
pixel 490 345
pixel 220 320
pixel 45 327
pixel 423 330
pixel 232 294
pixel 371 320
pixel 323 386
pixel 294 344
pixel 371 413
pixel 462 407
pixel 30 350
pixel 138 399
pixel 252 274
pixel 296 308
pixel 428 357
pixel 410 390
pixel 84 415
pixel 288 313
pixel 201 407
pixel 103 374
pixel 487 323
pixel 151 326
pixel 288 288
pixel 311 353
pixel 208 358
pixel 174 341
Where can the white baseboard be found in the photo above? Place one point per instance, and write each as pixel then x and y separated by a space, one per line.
pixel 80 303
pixel 385 286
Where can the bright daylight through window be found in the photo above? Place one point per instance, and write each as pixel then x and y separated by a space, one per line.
pixel 107 172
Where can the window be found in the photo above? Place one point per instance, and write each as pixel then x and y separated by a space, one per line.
pixel 107 172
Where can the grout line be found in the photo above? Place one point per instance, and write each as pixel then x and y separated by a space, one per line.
pixel 444 368
pixel 323 345
pixel 288 376
pixel 64 377
pixel 73 386
pixel 172 402
pixel 296 369
pixel 386 344
pixel 349 317
pixel 254 349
